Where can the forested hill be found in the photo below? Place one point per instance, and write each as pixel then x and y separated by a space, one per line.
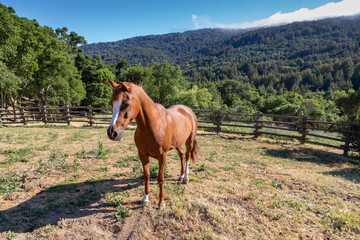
pixel 173 47
pixel 309 41
pixel 213 47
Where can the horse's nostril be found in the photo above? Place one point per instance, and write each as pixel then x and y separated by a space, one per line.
pixel 114 134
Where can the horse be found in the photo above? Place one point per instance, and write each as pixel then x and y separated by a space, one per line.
pixel 158 131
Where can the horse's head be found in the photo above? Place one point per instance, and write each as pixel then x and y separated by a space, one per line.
pixel 125 107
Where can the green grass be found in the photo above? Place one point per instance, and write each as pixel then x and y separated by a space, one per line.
pixel 122 213
pixel 15 155
pixel 154 170
pixel 11 182
pixel 257 183
pixel 209 171
pixel 114 199
pixel 76 136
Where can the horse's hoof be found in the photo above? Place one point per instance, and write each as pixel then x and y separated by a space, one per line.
pixel 162 207
pixel 181 178
pixel 145 200
pixel 186 181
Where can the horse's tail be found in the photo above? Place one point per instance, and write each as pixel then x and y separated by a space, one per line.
pixel 194 151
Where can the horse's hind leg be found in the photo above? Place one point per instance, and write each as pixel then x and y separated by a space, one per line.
pixel 181 155
pixel 189 146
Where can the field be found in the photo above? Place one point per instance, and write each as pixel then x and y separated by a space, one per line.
pixel 60 182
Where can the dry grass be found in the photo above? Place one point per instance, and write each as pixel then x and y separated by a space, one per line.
pixel 74 183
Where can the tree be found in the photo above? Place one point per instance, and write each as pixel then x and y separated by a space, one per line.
pixel 99 92
pixel 120 67
pixel 165 79
pixel 44 69
pixel 159 80
pixel 193 98
pixel 9 85
pixel 56 80
pixel 73 40
pixel 349 104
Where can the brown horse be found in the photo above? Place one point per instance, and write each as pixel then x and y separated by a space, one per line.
pixel 158 130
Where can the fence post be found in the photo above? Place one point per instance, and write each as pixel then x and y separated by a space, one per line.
pixel 44 113
pixel 1 115
pixel 90 115
pixel 218 121
pixel 347 138
pixel 257 125
pixel 67 115
pixel 16 115
pixel 303 131
pixel 22 113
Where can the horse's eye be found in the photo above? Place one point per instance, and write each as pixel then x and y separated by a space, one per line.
pixel 124 105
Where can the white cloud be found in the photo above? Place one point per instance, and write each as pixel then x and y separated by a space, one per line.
pixel 343 8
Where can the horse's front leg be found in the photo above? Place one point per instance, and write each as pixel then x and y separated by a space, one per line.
pixel 162 162
pixel 146 165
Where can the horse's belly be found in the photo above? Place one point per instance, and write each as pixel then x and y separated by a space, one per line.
pixel 180 135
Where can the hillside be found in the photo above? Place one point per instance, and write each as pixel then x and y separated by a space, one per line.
pixel 322 39
pixel 315 40
pixel 173 47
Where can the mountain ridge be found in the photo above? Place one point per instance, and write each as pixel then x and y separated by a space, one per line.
pixel 200 47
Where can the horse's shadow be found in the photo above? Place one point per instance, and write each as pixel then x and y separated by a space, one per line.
pixel 64 201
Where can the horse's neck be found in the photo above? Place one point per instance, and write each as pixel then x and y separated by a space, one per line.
pixel 149 113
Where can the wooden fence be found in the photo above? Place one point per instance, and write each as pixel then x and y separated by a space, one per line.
pixel 335 135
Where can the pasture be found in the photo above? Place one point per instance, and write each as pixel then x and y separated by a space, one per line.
pixel 60 182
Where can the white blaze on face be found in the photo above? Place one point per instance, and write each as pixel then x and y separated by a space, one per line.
pixel 116 110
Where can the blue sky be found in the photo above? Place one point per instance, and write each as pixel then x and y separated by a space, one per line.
pixel 111 20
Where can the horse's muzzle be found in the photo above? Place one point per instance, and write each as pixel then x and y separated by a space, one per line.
pixel 115 135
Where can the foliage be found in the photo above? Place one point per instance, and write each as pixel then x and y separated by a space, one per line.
pixel 303 69
pixel 159 80
pixel 349 104
pixel 122 213
pixel 114 199
pixel 173 47
pixel 37 64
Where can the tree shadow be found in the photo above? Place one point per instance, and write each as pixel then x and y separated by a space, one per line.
pixel 308 155
pixel 351 174
pixel 63 201
pixel 320 157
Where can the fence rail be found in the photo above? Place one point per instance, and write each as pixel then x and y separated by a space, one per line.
pixel 336 135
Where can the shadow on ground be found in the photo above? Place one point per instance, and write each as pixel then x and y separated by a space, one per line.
pixel 64 201
pixel 351 174
pixel 321 157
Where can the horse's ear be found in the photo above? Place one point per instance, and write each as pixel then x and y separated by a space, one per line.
pixel 125 85
pixel 113 84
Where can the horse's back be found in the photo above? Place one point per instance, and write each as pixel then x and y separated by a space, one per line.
pixel 181 112
pixel 184 123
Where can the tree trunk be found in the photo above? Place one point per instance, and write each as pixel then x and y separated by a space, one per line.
pixel 2 99
pixel 41 97
pixel 46 96
pixel 14 103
